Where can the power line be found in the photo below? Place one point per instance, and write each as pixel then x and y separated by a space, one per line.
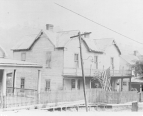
pixel 98 23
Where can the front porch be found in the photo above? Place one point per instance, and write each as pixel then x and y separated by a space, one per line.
pixel 14 67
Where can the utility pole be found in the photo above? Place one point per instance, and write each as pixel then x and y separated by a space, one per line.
pixel 82 71
pixel 80 47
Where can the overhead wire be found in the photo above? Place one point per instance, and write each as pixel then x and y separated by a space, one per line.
pixel 98 23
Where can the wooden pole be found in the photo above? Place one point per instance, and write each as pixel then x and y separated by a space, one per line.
pixel 13 81
pixel 79 35
pixel 121 84
pixel 39 85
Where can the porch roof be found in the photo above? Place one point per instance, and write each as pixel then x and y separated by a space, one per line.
pixel 4 62
pixel 137 80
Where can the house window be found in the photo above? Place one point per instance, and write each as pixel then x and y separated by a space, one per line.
pixel 23 56
pixel 96 61
pixel 78 84
pixel 112 62
pixel 124 83
pixel 48 59
pixel 48 84
pixel 73 84
pixel 76 60
pixel 22 85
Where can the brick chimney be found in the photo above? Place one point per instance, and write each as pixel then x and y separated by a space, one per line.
pixel 49 27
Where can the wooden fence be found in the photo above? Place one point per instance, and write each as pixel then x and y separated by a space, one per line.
pixel 93 96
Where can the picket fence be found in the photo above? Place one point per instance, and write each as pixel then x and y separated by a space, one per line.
pixel 93 96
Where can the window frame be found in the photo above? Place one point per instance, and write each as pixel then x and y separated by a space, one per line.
pixel 22 85
pixel 47 87
pixel 76 60
pixel 23 56
pixel 48 59
pixel 112 62
pixel 96 58
pixel 73 83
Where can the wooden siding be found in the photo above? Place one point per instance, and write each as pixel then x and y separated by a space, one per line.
pixel 38 55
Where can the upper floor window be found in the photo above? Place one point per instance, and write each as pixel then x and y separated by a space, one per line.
pixel 48 84
pixel 76 60
pixel 96 61
pixel 23 56
pixel 48 58
pixel 112 62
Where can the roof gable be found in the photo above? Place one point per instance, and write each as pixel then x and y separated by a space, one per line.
pixel 91 46
pixel 103 44
pixel 28 41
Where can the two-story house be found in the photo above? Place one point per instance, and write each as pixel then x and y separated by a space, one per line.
pixel 59 55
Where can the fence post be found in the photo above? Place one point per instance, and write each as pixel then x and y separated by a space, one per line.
pixel 3 101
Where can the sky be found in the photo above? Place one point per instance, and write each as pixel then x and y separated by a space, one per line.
pixel 123 16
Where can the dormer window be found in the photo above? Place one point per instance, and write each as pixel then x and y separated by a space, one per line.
pixel 23 56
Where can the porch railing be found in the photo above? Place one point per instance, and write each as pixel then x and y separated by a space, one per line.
pixel 94 72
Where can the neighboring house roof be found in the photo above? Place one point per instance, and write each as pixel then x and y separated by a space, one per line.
pixel 131 59
pixel 91 46
pixel 137 80
pixel 4 54
pixel 102 44
pixel 16 63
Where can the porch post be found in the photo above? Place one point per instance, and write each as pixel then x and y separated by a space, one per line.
pixel 130 84
pixel 13 88
pixel 3 98
pixel 4 83
pixel 90 84
pixel 140 87
pixel 76 81
pixel 121 84
pixel 39 85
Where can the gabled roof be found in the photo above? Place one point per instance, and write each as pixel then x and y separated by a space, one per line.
pixel 131 59
pixel 102 44
pixel 59 40
pixel 64 37
pixel 26 42
pixel 91 46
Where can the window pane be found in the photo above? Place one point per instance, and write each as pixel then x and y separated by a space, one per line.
pixel 23 56
pixel 47 84
pixel 76 57
pixel 22 83
pixel 73 83
pixel 96 61
pixel 48 58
